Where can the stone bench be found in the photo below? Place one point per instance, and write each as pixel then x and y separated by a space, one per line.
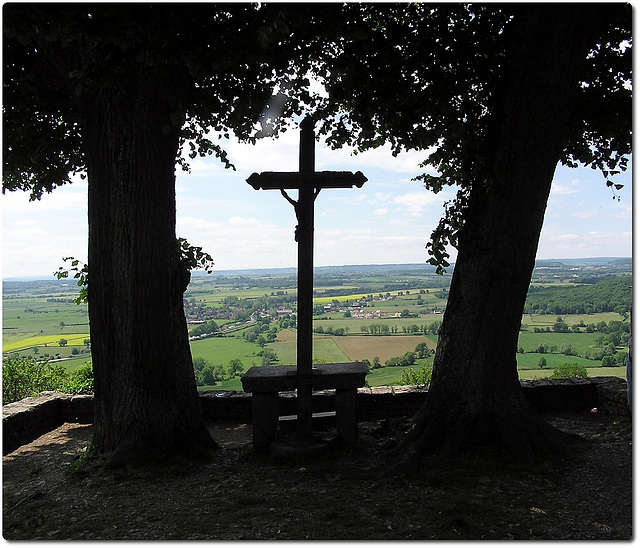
pixel 265 383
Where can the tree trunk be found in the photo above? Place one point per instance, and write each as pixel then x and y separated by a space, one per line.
pixel 146 400
pixel 475 399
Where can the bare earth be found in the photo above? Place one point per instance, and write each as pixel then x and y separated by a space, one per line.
pixel 52 492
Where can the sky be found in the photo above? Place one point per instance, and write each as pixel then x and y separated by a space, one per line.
pixel 389 220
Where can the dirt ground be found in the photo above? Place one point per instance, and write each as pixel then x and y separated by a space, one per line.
pixel 51 491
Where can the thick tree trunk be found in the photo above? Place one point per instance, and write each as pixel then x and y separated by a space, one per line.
pixel 475 399
pixel 146 400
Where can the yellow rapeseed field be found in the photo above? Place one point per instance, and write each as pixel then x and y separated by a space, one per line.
pixel 75 339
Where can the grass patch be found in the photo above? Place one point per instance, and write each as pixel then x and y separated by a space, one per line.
pixel 532 374
pixel 340 298
pixel 547 320
pixel 221 350
pixel 580 341
pixel 227 384
pixel 389 375
pixel 530 361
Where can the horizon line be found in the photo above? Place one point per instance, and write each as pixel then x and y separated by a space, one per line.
pixel 42 277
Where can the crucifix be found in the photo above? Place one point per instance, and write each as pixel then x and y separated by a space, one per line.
pixel 308 183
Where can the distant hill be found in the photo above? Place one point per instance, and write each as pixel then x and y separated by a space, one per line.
pixel 592 261
pixel 415 268
pixel 409 269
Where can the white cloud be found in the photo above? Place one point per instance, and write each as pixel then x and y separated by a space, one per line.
pixel 379 158
pixel 565 189
pixel 331 213
pixel 389 220
pixel 243 222
pixel 281 154
pixel 33 249
pixel 586 214
pixel 379 198
pixel 36 235
pixel 65 198
pixel 268 154
pixel 370 247
pixel 624 213
pixel 414 203
pixel 241 242
pixel 557 244
pixel 201 167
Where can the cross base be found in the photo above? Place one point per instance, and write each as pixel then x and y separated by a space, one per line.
pixel 290 448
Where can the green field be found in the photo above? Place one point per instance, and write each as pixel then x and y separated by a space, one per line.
pixel 355 325
pixel 388 375
pixel 339 298
pixel 228 384
pixel 221 350
pixel 531 374
pixel 547 320
pixel 530 361
pixel 582 342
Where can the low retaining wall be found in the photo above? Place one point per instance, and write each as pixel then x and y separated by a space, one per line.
pixel 25 420
pixel 28 419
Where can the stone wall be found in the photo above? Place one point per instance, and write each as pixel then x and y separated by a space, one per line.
pixel 25 420
pixel 28 419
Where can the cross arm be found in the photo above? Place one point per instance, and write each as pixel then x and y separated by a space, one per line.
pixel 274 180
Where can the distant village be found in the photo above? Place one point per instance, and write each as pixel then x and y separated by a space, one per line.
pixel 236 317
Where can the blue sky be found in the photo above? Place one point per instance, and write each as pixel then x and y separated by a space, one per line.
pixel 388 220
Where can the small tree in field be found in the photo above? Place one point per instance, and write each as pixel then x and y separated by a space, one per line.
pixel 208 375
pixel 542 363
pixel 235 368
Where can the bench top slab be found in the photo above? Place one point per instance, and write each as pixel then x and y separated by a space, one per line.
pixel 324 376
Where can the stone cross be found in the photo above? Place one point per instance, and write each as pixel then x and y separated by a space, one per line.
pixel 308 182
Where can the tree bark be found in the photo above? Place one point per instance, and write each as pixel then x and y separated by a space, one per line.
pixel 146 400
pixel 475 399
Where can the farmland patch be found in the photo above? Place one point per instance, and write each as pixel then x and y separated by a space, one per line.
pixel 367 347
pixel 42 340
pixel 286 335
pixel 221 350
pixel 324 348
pixel 531 360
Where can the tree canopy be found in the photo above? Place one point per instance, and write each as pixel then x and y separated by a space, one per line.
pixel 232 67
pixel 430 77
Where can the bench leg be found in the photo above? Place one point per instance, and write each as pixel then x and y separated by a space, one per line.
pixel 264 419
pixel 346 420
